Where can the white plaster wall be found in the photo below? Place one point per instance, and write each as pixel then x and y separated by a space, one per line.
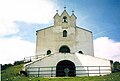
pixel 102 64
pixel 87 60
pixel 45 41
pixel 84 41
pixel 53 59
pixel 77 59
pixel 52 39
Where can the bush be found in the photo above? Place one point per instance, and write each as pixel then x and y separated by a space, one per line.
pixel 5 66
pixel 18 62
pixel 116 67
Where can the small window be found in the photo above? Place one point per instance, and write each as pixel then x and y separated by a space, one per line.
pixel 64 33
pixel 80 52
pixel 65 19
pixel 48 52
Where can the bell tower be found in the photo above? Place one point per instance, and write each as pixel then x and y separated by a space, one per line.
pixel 65 20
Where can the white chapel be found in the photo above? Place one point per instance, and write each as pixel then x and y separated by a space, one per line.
pixel 65 49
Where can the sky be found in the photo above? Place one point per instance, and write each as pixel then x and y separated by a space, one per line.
pixel 19 20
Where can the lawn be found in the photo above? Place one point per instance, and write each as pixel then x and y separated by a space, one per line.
pixel 10 74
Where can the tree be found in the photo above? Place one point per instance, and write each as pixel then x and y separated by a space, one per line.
pixel 18 62
pixel 5 66
pixel 116 66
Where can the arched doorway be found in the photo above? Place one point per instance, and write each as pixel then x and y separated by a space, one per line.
pixel 65 68
pixel 64 49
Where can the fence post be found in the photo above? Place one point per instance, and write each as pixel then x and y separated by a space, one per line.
pixel 51 71
pixel 38 71
pixel 27 71
pixel 99 71
pixel 88 70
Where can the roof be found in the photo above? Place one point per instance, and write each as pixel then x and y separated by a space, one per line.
pixel 53 26
pixel 44 28
pixel 84 29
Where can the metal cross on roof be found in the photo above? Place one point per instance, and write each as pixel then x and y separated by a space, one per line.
pixel 64 8
pixel 72 11
pixel 57 11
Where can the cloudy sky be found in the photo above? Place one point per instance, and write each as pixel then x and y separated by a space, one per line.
pixel 19 20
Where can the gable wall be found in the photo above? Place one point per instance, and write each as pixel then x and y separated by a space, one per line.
pixel 52 39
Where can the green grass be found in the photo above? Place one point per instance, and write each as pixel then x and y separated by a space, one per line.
pixel 10 75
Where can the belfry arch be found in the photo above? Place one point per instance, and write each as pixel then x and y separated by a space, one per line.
pixel 64 49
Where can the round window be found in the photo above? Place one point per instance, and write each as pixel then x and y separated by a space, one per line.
pixel 48 52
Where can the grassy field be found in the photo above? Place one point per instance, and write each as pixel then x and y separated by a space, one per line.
pixel 10 75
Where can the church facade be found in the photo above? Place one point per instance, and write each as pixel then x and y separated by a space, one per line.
pixel 65 49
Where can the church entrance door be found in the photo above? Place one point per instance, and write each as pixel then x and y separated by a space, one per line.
pixel 65 68
pixel 64 49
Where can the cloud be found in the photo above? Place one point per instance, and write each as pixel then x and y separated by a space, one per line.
pixel 31 11
pixel 35 11
pixel 105 47
pixel 8 28
pixel 14 49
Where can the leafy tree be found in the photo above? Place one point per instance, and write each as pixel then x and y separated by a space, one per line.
pixel 18 62
pixel 5 66
pixel 116 66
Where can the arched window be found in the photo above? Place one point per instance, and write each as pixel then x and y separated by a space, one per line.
pixel 64 49
pixel 80 52
pixel 64 33
pixel 65 19
pixel 48 52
